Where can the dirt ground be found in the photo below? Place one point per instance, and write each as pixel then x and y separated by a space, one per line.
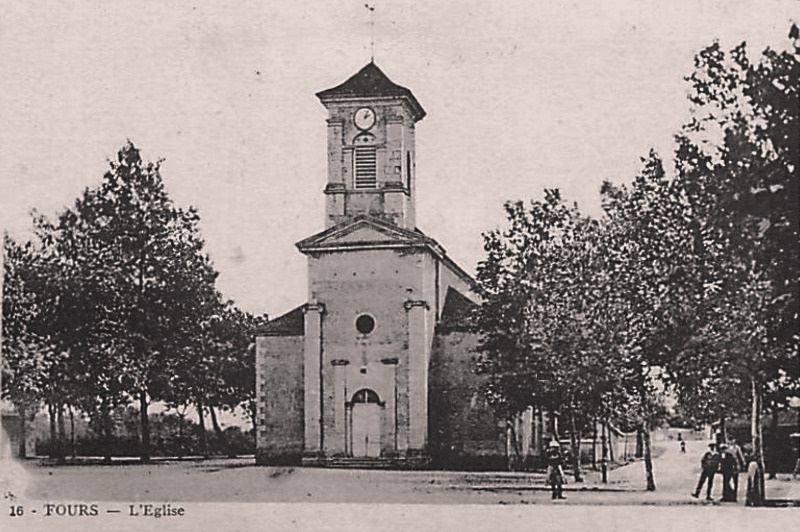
pixel 239 480
pixel 220 495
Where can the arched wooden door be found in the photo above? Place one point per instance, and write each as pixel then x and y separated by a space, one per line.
pixel 365 428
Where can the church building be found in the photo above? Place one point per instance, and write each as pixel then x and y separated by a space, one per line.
pixel 377 366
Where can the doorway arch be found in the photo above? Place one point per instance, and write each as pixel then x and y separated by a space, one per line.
pixel 366 416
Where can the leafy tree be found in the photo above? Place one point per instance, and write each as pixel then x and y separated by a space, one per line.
pixel 738 163
pixel 216 370
pixel 142 281
pixel 80 322
pixel 239 365
pixel 651 285
pixel 27 357
pixel 233 381
pixel 511 343
pixel 544 338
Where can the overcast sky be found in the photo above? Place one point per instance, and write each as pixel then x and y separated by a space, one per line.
pixel 520 95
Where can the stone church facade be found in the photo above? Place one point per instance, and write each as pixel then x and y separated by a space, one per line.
pixel 377 366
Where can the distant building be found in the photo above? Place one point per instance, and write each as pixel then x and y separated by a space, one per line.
pixel 378 365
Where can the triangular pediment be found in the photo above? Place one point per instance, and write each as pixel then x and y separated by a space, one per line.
pixel 364 231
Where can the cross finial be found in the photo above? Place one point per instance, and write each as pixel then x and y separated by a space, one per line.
pixel 371 9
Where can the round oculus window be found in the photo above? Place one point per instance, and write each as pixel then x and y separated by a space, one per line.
pixel 365 324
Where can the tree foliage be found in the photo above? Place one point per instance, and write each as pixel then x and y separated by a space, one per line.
pixel 115 301
pixel 688 281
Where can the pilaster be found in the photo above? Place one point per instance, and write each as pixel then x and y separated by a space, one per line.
pixel 335 131
pixel 312 376
pixel 390 414
pixel 335 441
pixel 418 344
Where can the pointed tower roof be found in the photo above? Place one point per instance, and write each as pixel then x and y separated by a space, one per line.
pixel 371 82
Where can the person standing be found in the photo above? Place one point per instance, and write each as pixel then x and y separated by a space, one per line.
pixel 754 496
pixel 727 466
pixel 741 465
pixel 555 475
pixel 709 464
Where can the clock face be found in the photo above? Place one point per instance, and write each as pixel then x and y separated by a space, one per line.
pixel 364 118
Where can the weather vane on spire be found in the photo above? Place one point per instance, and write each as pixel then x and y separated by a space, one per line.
pixel 371 9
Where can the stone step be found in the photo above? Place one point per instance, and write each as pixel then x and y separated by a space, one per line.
pixel 360 463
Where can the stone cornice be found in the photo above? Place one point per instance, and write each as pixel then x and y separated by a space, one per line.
pixel 314 307
pixel 396 238
pixel 335 188
pixel 412 303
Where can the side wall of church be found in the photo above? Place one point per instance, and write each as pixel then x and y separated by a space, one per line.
pixel 279 395
pixel 451 278
pixel 464 432
pixel 443 276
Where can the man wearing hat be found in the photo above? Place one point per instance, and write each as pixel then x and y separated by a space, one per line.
pixel 728 467
pixel 709 464
pixel 555 475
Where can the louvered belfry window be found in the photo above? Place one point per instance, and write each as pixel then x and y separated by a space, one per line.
pixel 366 163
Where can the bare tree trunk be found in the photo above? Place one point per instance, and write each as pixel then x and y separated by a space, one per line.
pixel 23 431
pixel 62 435
pixel 755 423
pixel 106 424
pixel 576 448
pixel 51 411
pixel 604 460
pixel 594 443
pixel 611 455
pixel 145 428
pixel 181 416
pixel 773 441
pixel 511 444
pixel 221 441
pixel 756 433
pixel 798 441
pixel 648 459
pixel 639 445
pixel 203 435
pixel 72 432
pixel 554 419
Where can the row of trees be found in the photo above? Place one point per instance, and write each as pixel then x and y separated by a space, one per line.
pixel 114 302
pixel 687 283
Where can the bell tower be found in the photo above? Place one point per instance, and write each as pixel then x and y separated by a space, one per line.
pixel 371 149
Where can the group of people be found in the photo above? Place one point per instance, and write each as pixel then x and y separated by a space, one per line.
pixel 727 460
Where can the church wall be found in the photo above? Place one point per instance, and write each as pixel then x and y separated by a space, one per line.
pixel 411 168
pixel 378 283
pixel 368 202
pixel 464 432
pixel 279 382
